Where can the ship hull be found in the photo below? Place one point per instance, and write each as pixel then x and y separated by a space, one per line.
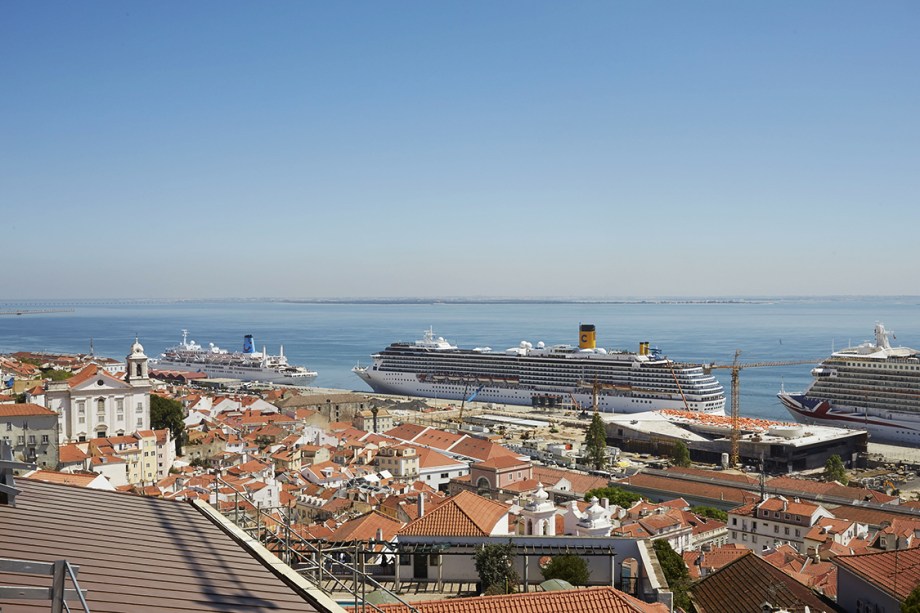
pixel 243 373
pixel 408 384
pixel 883 426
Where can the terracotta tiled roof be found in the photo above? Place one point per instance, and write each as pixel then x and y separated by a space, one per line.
pixel 808 487
pixel 872 517
pixel 590 600
pixel 429 458
pixel 581 483
pixel 71 453
pixel 365 528
pixel 439 439
pixel 714 559
pixel 503 462
pixel 480 449
pixel 465 514
pixel 747 583
pixel 793 508
pixel 23 410
pixel 50 476
pixel 879 570
pixel 692 489
pixel 406 432
pixel 723 476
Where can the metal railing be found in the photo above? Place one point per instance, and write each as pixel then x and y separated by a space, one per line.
pixel 310 558
pixel 58 594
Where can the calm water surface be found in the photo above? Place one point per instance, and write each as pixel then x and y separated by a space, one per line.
pixel 331 338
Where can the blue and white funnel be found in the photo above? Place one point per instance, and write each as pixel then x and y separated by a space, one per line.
pixel 247 344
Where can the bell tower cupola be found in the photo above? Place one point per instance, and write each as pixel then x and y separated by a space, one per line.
pixel 136 363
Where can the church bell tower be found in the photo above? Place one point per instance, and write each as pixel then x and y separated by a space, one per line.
pixel 136 363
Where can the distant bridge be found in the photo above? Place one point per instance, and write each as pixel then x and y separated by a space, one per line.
pixel 33 311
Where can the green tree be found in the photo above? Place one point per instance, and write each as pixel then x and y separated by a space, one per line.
pixel 596 442
pixel 568 567
pixel 680 455
pixel 834 470
pixel 56 375
pixel 710 512
pixel 912 603
pixel 495 565
pixel 167 413
pixel 675 572
pixel 616 495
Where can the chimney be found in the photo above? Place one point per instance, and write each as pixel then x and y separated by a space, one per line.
pixel 814 555
pixel 421 503
pixel 379 535
pixel 605 503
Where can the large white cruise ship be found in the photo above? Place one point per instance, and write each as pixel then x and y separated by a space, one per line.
pixel 872 386
pixel 554 376
pixel 246 365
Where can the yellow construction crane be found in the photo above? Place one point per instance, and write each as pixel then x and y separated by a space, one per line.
pixel 735 368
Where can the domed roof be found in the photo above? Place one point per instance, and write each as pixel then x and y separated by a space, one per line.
pixel 541 494
pixel 137 348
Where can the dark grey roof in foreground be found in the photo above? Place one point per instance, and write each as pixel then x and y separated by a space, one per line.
pixel 141 554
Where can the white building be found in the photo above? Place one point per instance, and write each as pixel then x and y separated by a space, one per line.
pixel 774 521
pixel 94 403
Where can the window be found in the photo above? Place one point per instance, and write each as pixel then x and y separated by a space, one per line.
pixel 120 404
pixel 21 439
pixel 798 532
pixel 31 439
pixel 140 422
pixel 787 530
pixel 140 407
pixel 44 439
pixel 81 420
pixel 100 406
pixel 9 426
pixel 734 521
pixel 776 529
pixel 444 475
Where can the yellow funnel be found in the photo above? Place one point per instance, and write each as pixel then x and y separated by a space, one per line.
pixel 586 338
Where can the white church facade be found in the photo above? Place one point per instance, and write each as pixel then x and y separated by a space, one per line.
pixel 95 403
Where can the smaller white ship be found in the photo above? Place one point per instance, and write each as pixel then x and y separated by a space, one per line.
pixel 245 365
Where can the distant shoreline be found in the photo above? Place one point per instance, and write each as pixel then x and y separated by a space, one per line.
pixel 753 300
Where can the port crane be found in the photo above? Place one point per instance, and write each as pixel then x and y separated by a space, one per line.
pixel 466 399
pixel 736 368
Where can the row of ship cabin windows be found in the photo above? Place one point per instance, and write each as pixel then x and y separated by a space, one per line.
pixel 886 366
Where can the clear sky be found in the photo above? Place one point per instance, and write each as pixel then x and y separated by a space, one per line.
pixel 356 149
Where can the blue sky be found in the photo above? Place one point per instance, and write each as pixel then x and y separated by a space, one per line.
pixel 307 149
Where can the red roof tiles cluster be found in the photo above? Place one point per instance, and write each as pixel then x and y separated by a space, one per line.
pixel 464 514
pixel 589 600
